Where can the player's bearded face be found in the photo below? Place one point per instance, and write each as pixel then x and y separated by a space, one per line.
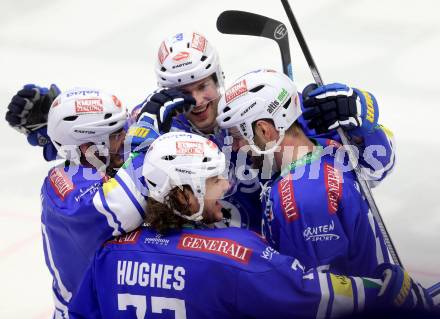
pixel 116 147
pixel 240 144
pixel 206 94
pixel 216 187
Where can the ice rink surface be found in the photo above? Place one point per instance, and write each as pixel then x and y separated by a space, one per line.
pixel 389 47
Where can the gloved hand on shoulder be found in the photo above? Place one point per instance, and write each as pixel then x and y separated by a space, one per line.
pixel 336 105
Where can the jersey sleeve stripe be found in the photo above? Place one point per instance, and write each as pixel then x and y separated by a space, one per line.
pixel 323 303
pixel 118 203
pixel 130 189
pixel 379 248
pixel 102 207
pixel 65 293
pixel 360 294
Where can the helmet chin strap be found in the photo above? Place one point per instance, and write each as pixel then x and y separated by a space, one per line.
pixel 197 217
pixel 259 151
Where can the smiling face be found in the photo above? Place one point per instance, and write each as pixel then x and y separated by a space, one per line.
pixel 206 94
pixel 216 187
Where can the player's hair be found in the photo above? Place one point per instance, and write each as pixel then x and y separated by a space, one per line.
pixel 161 217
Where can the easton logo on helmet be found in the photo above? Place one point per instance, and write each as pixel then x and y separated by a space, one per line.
pixel 182 64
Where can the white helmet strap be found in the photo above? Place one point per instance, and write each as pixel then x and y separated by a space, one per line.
pixel 271 150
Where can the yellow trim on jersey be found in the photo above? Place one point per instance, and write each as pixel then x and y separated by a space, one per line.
pixel 109 186
pixel 370 106
pixel 138 131
pixel 342 285
pixel 387 131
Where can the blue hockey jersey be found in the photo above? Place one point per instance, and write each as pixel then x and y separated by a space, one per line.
pixel 211 273
pixel 81 209
pixel 314 210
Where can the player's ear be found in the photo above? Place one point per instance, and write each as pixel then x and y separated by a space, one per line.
pixel 265 130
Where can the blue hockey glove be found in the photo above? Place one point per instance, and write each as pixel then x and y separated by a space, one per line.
pixel 163 105
pixel 337 105
pixel 139 137
pixel 28 109
pixel 400 290
pixel 27 112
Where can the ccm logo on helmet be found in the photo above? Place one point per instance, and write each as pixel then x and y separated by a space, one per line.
pixel 89 106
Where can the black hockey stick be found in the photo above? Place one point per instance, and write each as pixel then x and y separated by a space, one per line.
pixel 365 187
pixel 246 23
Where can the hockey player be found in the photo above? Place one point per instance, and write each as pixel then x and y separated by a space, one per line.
pixel 313 208
pixel 82 206
pixel 189 72
pixel 175 267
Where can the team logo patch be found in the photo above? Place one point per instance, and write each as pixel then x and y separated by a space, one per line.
pixel 60 182
pixel 129 238
pixel 181 56
pixel 321 232
pixel 189 148
pixel 89 106
pixel 163 52
pixel 218 246
pixel 333 185
pixel 55 103
pixel 287 196
pixel 211 144
pixel 178 37
pixel 116 101
pixel 238 89
pixel 198 42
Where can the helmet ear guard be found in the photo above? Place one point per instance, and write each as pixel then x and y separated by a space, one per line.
pixel 258 95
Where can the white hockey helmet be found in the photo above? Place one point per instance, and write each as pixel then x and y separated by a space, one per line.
pixel 186 58
pixel 178 159
pixel 260 94
pixel 83 115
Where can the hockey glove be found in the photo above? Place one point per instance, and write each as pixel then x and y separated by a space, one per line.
pixel 139 137
pixel 163 105
pixel 27 112
pixel 337 105
pixel 400 290
pixel 29 108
